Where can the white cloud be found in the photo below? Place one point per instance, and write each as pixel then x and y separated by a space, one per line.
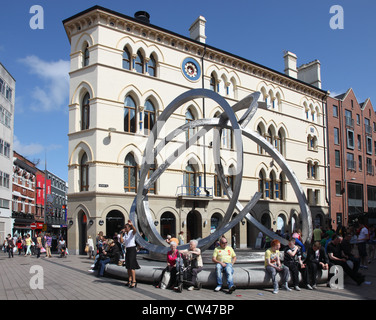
pixel 32 149
pixel 53 92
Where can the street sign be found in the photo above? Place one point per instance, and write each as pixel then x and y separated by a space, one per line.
pixel 33 226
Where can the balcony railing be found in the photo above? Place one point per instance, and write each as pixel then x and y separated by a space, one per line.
pixel 194 192
pixel 351 165
pixel 349 122
pixel 368 129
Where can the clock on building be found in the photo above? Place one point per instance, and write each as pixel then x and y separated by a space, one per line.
pixel 191 69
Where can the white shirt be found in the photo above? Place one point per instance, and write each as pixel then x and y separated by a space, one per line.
pixel 363 235
pixel 129 239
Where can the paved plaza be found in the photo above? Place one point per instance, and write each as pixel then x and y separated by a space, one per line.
pixel 29 278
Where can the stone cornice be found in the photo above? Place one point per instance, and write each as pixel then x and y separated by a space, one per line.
pixel 106 18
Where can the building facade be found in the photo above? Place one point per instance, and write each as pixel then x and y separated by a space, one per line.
pixel 352 159
pixel 125 71
pixel 7 98
pixel 24 195
pixel 56 206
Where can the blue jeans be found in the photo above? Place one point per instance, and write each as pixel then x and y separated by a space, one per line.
pixel 229 272
pixel 102 266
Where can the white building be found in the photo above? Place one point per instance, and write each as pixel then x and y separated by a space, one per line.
pixel 125 71
pixel 7 94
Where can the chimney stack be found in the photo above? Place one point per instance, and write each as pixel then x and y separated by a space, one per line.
pixel 290 64
pixel 197 29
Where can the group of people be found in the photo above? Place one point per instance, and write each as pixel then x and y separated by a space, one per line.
pixel 327 248
pixel 109 251
pixel 28 245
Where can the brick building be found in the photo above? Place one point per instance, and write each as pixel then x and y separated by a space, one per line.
pixel 352 159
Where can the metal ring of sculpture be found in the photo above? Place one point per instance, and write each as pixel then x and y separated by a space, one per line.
pixel 140 212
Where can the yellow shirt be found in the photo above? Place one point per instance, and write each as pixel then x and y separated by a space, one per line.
pixel 28 241
pixel 224 255
pixel 272 255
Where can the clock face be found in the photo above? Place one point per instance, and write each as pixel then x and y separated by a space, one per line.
pixel 191 69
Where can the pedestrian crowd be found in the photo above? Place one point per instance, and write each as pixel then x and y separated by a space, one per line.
pixel 27 245
pixel 350 248
pixel 296 263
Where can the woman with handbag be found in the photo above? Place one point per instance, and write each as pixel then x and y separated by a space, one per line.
pixel 128 236
pixel 168 276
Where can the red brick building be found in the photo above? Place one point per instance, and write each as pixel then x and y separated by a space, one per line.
pixel 351 134
pixel 25 210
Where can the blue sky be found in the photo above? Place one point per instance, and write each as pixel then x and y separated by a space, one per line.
pixel 256 30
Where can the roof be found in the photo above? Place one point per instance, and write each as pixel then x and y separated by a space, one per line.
pixel 190 40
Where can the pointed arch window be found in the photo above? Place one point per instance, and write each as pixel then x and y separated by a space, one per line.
pixel 149 117
pixel 84 173
pixel 213 83
pixel 130 173
pixel 139 63
pixel 190 178
pixel 152 67
pixel 261 184
pixel 271 186
pixel 85 112
pixel 188 118
pixel 86 59
pixel 129 115
pixel 259 149
pixel 126 59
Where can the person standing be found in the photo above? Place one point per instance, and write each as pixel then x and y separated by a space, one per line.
pixel 317 233
pixel 90 244
pixel 273 266
pixel 38 245
pixel 48 242
pixel 129 238
pixel 28 242
pixel 363 238
pixel 10 246
pixel 224 257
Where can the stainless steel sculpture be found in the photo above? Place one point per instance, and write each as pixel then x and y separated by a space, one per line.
pixel 140 212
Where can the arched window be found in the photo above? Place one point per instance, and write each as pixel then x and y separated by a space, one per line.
pixel 84 173
pixel 279 141
pixel 280 193
pixel 152 67
pixel 272 185
pixel 129 115
pixel 86 56
pixel 85 112
pixel 190 180
pixel 149 117
pixel 139 63
pixel 151 170
pixel 126 59
pixel 269 136
pixel 213 83
pixel 188 118
pixel 130 173
pixel 261 184
pixel 259 149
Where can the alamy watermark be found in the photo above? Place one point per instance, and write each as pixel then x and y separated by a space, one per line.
pixel 37 20
pixel 337 21
pixel 37 280
pixel 337 280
